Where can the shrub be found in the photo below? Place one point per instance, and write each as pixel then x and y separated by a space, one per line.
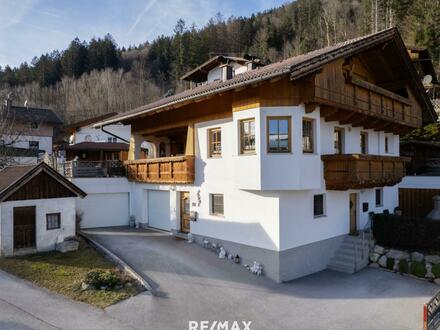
pixel 390 263
pixel 436 270
pixel 418 269
pixel 403 266
pixel 406 232
pixel 100 278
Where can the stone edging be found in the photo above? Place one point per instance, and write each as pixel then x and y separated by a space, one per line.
pixel 121 263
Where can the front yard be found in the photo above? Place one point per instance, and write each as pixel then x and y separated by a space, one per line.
pixel 65 273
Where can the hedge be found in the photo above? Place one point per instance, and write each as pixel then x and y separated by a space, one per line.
pixel 406 232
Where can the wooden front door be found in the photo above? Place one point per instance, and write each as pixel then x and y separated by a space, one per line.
pixel 24 227
pixel 353 213
pixel 184 212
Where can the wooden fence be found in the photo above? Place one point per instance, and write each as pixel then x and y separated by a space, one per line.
pixel 416 202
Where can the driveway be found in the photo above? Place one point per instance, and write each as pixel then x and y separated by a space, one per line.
pixel 25 306
pixel 191 283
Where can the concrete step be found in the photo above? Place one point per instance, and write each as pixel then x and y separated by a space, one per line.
pixel 341 268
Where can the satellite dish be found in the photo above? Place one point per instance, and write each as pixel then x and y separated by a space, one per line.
pixel 427 80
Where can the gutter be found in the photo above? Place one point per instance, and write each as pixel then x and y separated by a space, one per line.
pixel 112 134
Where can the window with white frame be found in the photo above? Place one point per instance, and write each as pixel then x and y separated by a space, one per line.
pixel 217 206
pixel 319 205
pixel 34 145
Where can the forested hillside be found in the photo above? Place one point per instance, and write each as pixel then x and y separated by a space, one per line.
pixel 94 77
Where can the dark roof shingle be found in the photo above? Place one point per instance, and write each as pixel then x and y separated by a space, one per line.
pixel 38 115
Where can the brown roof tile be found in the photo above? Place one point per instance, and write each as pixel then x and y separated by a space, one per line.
pixel 297 67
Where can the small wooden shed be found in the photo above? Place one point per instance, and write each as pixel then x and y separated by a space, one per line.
pixel 37 208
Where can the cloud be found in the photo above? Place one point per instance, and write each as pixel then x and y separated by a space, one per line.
pixel 11 14
pixel 142 14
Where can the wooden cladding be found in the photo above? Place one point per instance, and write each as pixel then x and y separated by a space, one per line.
pixel 359 102
pixel 42 186
pixel 172 170
pixel 416 202
pixel 353 171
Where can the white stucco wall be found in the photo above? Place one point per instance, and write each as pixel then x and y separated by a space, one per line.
pixel 45 142
pixel 98 135
pixel 45 239
pixel 420 182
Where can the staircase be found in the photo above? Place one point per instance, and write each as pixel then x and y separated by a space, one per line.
pixel 352 255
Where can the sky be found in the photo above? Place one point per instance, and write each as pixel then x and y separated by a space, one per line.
pixel 33 27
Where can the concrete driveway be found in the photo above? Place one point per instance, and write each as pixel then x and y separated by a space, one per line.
pixel 25 306
pixel 191 283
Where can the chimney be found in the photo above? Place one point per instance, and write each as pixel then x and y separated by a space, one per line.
pixel 226 72
pixel 8 103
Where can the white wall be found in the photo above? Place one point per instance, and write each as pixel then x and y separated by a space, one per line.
pixel 45 142
pixel 420 182
pixel 97 135
pixel 45 239
pixel 107 202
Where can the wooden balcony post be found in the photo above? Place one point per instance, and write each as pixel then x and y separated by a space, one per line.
pixel 190 148
pixel 134 151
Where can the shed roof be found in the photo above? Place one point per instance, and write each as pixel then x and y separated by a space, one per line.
pixel 297 67
pixel 13 178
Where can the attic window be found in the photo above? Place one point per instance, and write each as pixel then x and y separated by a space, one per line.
pixel 33 125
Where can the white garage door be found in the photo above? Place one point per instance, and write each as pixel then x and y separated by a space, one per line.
pixel 104 210
pixel 159 209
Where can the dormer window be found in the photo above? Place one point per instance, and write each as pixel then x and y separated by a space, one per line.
pixel 227 72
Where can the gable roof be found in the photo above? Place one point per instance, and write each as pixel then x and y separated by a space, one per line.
pixel 38 115
pixel 13 178
pixel 90 121
pixel 297 67
pixel 199 73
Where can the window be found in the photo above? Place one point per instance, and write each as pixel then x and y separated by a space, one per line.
pixel 34 145
pixel 217 207
pixel 215 142
pixel 387 150
pixel 33 125
pixel 278 134
pixel 53 221
pixel 364 142
pixel 318 205
pixel 247 136
pixel 308 144
pixel 338 136
pixel 111 139
pixel 379 197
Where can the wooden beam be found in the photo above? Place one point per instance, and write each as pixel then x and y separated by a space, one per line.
pixel 349 118
pixel 310 107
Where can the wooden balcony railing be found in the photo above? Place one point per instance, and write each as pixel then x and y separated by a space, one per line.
pixel 172 170
pixel 353 171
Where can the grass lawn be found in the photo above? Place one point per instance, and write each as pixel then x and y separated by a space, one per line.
pixel 64 273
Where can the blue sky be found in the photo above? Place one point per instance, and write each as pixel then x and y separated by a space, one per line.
pixel 33 27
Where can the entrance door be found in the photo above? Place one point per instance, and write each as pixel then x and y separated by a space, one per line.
pixel 184 212
pixel 353 213
pixel 24 227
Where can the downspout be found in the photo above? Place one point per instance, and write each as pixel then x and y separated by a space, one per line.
pixel 112 134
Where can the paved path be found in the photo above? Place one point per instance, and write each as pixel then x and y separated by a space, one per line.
pixel 24 306
pixel 192 284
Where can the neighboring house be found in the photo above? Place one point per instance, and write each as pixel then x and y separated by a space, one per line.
pixel 277 163
pixel 37 208
pixel 33 128
pixel 84 131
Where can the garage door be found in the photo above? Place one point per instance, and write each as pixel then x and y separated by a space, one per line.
pixel 104 210
pixel 159 209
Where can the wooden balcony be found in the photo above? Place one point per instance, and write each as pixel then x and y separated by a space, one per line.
pixel 353 171
pixel 171 170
